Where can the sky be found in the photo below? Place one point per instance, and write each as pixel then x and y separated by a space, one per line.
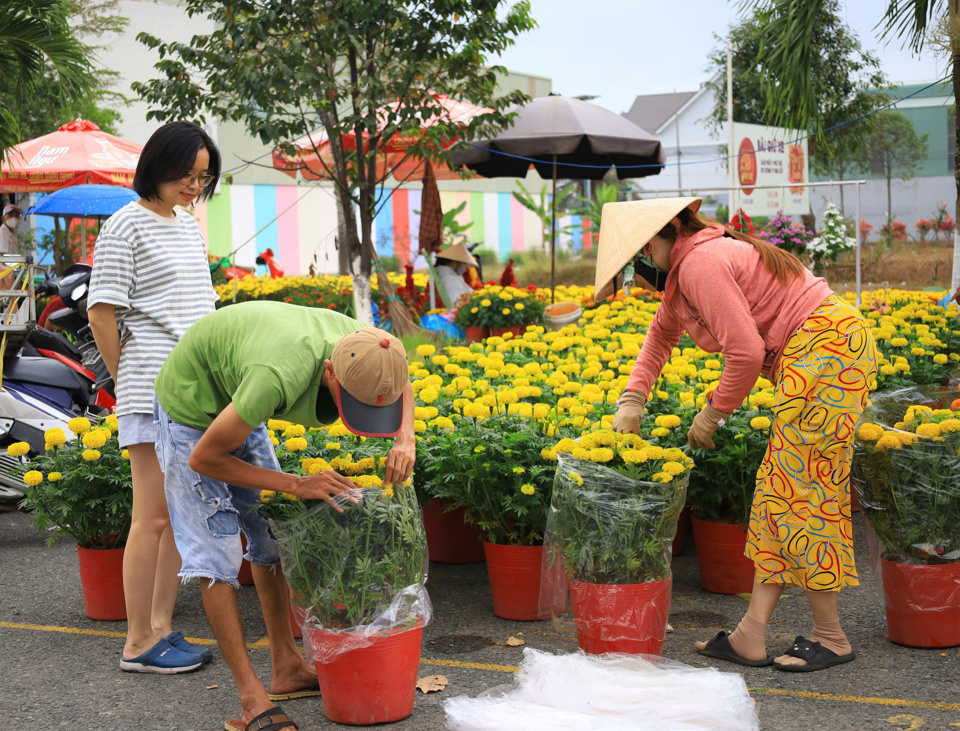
pixel 619 49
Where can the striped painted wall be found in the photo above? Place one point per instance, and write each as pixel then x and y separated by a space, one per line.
pixel 299 223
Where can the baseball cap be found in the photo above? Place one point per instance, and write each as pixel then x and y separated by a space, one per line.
pixel 370 366
pixel 11 207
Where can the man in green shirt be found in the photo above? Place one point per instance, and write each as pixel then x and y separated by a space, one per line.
pixel 232 370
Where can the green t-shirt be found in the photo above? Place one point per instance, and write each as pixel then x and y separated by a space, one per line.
pixel 265 357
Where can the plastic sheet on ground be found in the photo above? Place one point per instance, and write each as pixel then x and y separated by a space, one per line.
pixel 607 551
pixel 583 692
pixel 359 574
pixel 910 499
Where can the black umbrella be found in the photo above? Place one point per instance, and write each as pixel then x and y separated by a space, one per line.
pixel 556 135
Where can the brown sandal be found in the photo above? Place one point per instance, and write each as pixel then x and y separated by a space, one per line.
pixel 273 719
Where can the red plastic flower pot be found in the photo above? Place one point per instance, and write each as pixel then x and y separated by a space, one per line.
pixel 475 333
pixel 101 575
pixel 373 684
pixel 628 618
pixel 517 330
pixel 723 567
pixel 514 573
pixel 450 539
pixel 923 603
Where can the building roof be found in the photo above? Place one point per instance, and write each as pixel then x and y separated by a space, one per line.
pixel 650 111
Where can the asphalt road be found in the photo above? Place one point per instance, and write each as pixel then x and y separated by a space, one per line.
pixel 54 676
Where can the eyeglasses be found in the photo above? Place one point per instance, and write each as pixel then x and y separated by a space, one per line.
pixel 204 180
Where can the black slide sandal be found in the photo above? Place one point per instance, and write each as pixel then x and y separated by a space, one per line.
pixel 721 649
pixel 817 656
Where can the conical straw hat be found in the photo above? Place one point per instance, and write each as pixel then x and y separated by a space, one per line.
pixel 460 253
pixel 625 228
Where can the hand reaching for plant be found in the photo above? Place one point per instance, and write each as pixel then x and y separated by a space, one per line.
pixel 705 423
pixel 628 416
pixel 400 461
pixel 325 486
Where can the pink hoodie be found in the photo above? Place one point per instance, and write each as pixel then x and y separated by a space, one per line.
pixel 719 291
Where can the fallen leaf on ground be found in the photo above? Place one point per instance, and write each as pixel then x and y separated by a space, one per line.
pixel 432 683
pixel 669 627
pixel 515 642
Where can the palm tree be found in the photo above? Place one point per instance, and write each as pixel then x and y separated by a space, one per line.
pixel 789 90
pixel 35 37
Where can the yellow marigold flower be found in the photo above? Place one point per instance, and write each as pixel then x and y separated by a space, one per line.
pixel 33 478
pixel 125 454
pixel 265 495
pixel 485 303
pixel 667 421
pixel 662 477
pixel 888 442
pixel 111 423
pixel 387 491
pixel 334 446
pixel 79 425
pixel 91 455
pixel 928 430
pixel 940 359
pixel 601 454
pixel 54 476
pixel 898 342
pixel 56 437
pixel 519 305
pixel 575 476
pixel 474 310
pixel 480 449
pixel 338 430
pixel 948 426
pixel 426 350
pixel 295 444
pixel 528 489
pixel 18 449
pixel 870 432
pixel 505 310
pixel 94 439
pixel 759 423
pixel 277 424
pixel 317 466
pixel 419 426
pixel 519 470
pixel 660 432
pixel 295 430
pixel 673 468
pixel 633 456
pixel 428 395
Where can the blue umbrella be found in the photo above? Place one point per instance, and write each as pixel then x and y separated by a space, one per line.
pixel 84 201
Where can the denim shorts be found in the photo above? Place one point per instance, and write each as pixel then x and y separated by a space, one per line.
pixel 206 514
pixel 136 429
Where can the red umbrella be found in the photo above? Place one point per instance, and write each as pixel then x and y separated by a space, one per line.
pixel 79 152
pixel 311 149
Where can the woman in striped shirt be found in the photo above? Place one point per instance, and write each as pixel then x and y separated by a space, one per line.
pixel 150 282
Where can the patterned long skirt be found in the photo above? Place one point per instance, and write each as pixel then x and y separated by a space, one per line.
pixel 800 531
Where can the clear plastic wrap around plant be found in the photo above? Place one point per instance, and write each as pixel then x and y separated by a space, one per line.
pixel 608 693
pixel 608 545
pixel 906 471
pixel 361 573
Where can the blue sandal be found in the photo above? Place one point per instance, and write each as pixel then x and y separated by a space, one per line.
pixel 180 642
pixel 162 658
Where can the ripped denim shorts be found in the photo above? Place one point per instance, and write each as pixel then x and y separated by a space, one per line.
pixel 207 515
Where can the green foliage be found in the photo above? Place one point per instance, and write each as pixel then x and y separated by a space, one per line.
pixel 498 307
pixel 46 77
pixel 453 231
pixel 896 150
pixel 477 465
pixel 592 208
pixel 911 494
pixel 834 76
pixel 609 528
pixel 93 500
pixel 723 482
pixel 348 568
pixel 542 207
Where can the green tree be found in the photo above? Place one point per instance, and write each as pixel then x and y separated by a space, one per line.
pixel 845 78
pixel 590 209
pixel 896 150
pixel 36 42
pixel 542 206
pixel 790 88
pixel 286 69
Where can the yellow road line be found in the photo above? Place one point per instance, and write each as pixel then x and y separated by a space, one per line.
pixel 265 643
pixel 857 699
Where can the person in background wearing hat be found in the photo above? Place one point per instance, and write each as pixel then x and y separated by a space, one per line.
pixel 232 370
pixel 451 264
pixel 9 244
pixel 766 313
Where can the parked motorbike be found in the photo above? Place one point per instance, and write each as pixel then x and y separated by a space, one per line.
pixel 50 378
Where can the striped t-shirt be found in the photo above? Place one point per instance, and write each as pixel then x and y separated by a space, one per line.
pixel 155 271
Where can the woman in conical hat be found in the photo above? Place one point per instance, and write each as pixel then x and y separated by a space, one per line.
pixel 767 314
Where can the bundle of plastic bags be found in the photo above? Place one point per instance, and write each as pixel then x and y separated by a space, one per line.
pixel 608 693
